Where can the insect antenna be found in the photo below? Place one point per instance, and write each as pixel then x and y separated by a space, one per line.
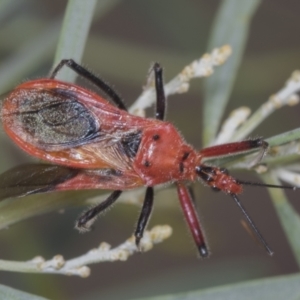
pixel 285 187
pixel 252 225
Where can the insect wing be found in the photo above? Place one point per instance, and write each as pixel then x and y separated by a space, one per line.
pixel 68 125
pixel 29 179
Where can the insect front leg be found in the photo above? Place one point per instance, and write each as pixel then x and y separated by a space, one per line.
pixel 144 216
pixel 192 218
pixel 86 220
pixel 236 148
pixel 102 85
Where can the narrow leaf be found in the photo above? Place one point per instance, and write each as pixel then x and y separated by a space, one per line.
pixel 278 288
pixel 9 293
pixel 231 27
pixel 288 217
pixel 75 29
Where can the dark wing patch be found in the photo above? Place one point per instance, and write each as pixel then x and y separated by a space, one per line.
pixel 33 178
pixel 56 117
pixel 130 143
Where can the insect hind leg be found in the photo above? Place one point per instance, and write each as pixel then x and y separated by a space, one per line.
pixel 102 85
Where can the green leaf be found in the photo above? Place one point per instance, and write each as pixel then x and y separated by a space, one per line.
pixel 289 218
pixel 230 27
pixel 40 47
pixel 27 58
pixel 15 210
pixel 73 36
pixel 9 293
pixel 277 288
pixel 285 137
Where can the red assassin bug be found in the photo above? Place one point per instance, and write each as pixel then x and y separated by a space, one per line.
pixel 95 144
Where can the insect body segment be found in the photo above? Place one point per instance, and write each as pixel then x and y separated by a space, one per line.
pixel 102 146
pixel 219 179
pixel 162 156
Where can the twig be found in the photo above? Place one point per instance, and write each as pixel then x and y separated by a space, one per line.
pixel 78 265
pixel 203 67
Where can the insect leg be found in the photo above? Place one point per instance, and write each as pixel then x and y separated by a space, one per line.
pixel 252 225
pixel 160 93
pixel 92 78
pixel 144 216
pixel 192 219
pixel 235 148
pixel 192 194
pixel 86 220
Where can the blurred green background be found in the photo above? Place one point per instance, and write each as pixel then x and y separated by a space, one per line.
pixel 123 42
